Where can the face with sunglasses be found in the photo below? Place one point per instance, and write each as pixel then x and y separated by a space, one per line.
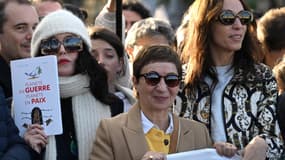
pixel 230 27
pixel 157 86
pixel 66 47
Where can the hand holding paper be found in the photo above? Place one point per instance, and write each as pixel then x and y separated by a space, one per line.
pixel 35 137
pixel 202 154
pixel 225 149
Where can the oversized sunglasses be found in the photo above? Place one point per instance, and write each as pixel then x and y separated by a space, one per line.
pixel 153 78
pixel 227 17
pixel 52 45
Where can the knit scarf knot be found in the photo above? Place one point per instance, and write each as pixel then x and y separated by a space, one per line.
pixel 74 85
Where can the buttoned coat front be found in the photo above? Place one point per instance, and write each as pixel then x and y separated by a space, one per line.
pixel 122 137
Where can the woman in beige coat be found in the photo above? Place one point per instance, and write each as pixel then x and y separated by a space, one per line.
pixel 149 130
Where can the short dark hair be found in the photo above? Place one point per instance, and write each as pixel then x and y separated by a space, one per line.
pixel 3 4
pixel 156 53
pixel 137 7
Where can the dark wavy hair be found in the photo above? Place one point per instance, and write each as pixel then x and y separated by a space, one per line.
pixel 3 4
pixel 79 12
pixel 85 64
pixel 203 14
pixel 37 116
pixel 137 7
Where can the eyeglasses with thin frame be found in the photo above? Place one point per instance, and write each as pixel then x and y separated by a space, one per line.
pixel 52 45
pixel 227 17
pixel 153 78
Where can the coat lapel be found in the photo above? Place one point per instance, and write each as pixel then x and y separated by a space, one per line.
pixel 186 133
pixel 134 135
pixel 174 138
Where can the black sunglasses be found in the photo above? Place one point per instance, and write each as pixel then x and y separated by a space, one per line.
pixel 153 78
pixel 227 17
pixel 52 45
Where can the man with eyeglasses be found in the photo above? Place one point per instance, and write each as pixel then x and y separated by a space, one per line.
pixel 18 19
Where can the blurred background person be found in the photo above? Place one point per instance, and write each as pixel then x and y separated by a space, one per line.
pixel 107 19
pixel 109 51
pixel 147 32
pixel 180 33
pixel 271 35
pixel 225 86
pixel 12 146
pixel 279 73
pixel 81 13
pixel 149 130
pixel 83 84
pixel 133 11
pixel 45 7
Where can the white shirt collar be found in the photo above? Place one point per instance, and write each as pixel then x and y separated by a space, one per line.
pixel 147 124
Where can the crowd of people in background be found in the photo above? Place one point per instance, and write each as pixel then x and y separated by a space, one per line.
pixel 217 81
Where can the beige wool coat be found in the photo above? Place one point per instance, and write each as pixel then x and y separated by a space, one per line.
pixel 122 137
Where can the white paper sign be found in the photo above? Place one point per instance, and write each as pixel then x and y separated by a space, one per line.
pixel 36 94
pixel 202 154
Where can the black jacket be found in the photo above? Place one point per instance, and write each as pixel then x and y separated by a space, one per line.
pixel 12 146
pixel 281 113
pixel 5 80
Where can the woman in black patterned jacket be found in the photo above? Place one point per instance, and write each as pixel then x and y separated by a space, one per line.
pixel 225 87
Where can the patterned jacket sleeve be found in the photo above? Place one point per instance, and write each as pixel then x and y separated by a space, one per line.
pixel 267 118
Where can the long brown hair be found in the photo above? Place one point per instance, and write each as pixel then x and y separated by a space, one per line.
pixel 196 52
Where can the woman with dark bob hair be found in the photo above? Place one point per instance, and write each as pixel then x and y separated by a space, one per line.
pixel 109 52
pixel 85 99
pixel 225 86
pixel 149 131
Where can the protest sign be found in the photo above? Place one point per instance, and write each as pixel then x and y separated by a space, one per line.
pixel 36 94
